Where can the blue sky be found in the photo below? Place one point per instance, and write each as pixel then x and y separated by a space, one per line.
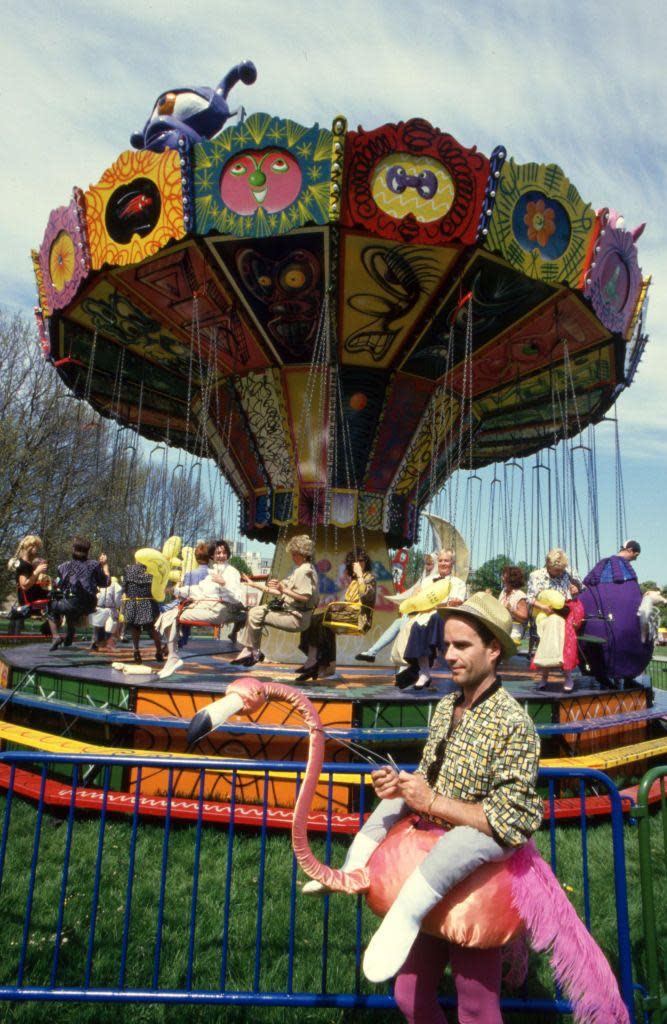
pixel 580 84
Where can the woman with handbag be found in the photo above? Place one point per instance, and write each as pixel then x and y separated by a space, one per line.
pixel 291 603
pixel 318 641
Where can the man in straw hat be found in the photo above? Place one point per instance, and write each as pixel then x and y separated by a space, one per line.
pixel 476 778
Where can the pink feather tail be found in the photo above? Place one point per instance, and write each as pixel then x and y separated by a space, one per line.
pixel 552 923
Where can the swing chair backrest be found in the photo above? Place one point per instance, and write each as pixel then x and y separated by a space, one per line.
pixel 334 617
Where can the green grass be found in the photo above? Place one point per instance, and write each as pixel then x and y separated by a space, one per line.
pixel 242 917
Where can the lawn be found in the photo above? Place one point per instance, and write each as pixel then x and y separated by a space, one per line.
pixel 249 886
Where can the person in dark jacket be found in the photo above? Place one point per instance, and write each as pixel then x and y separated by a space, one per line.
pixel 76 586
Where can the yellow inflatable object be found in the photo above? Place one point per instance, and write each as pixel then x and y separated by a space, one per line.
pixel 172 547
pixel 554 599
pixel 427 599
pixel 158 567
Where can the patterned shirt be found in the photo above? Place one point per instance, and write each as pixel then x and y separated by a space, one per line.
pixel 540 580
pixel 491 757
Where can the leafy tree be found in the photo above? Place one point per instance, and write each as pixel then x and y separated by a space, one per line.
pixel 240 564
pixel 415 566
pixel 489 575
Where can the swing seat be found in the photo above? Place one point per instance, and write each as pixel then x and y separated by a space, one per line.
pixel 333 617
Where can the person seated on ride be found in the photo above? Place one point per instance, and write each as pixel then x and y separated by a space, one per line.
pixel 513 597
pixel 141 609
pixel 429 573
pixel 29 569
pixel 552 602
pixel 291 603
pixel 215 601
pixel 77 582
pixel 318 641
pixel 109 601
pixel 191 579
pixel 421 635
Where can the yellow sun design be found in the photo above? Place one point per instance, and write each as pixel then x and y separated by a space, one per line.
pixel 61 260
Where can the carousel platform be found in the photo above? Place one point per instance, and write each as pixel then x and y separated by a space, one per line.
pixel 73 701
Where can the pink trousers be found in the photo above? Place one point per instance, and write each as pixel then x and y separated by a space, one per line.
pixel 476 977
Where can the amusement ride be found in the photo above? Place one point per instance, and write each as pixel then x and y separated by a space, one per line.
pixel 334 330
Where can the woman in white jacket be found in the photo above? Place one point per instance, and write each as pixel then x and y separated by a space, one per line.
pixel 215 600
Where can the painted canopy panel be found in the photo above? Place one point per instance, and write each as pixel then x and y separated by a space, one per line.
pixel 280 282
pixel 538 342
pixel 135 209
pixel 263 403
pixel 614 279
pixel 262 178
pixel 406 401
pixel 501 298
pixel 386 289
pixel 185 292
pixel 540 223
pixel 412 183
pixel 63 260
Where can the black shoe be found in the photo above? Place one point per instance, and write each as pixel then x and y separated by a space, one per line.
pixel 56 644
pixel 159 657
pixel 93 647
pixel 364 657
pixel 423 686
pixel 307 673
pixel 406 677
pixel 137 658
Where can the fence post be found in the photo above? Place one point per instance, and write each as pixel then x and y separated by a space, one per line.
pixel 655 1001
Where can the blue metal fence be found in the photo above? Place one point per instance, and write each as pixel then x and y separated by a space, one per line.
pixel 101 909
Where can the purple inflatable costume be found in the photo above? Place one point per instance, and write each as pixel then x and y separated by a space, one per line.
pixel 611 601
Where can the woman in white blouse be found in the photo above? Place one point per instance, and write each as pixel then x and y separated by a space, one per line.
pixel 215 600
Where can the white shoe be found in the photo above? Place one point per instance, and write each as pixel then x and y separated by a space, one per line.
pixel 172 665
pixel 388 949
pixel 358 855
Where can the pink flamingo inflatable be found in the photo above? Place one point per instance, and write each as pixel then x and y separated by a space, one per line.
pixel 495 904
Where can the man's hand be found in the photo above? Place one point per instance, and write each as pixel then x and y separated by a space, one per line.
pixel 416 791
pixel 385 783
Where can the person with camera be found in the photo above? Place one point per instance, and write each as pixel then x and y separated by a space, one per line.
pixel 75 590
pixel 291 601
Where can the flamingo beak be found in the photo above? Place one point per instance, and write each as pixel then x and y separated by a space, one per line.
pixel 210 718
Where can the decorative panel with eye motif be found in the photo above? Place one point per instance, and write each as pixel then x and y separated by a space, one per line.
pixel 411 182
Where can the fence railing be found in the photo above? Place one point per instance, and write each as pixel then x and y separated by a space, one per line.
pixel 127 910
pixel 655 1001
pixel 657 672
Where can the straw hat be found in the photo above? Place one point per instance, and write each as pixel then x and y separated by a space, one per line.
pixel 488 610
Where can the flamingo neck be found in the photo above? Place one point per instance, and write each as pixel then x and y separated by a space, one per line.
pixel 355 881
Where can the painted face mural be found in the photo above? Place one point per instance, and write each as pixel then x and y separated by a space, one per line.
pixel 420 185
pixel 266 178
pixel 289 289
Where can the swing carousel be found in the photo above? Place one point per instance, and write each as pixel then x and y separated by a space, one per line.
pixel 340 328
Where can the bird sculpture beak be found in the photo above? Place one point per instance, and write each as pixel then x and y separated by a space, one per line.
pixel 210 718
